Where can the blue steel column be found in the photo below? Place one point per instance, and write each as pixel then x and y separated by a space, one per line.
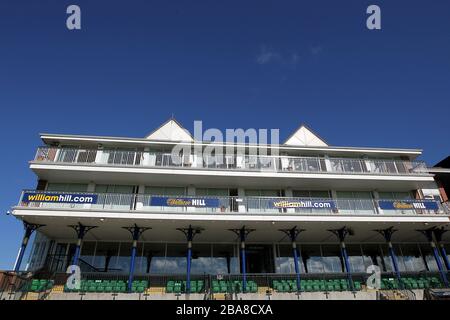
pixel 189 233
pixel 29 229
pixel 438 232
pixel 81 231
pixel 341 234
pixel 135 233
pixel 428 233
pixel 243 261
pixel 387 234
pixel 242 234
pixel 293 233
pixel 190 236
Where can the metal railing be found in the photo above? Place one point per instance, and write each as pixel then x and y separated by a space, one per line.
pixel 210 285
pixel 223 204
pixel 230 162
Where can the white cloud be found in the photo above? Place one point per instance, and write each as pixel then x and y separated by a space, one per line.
pixel 267 55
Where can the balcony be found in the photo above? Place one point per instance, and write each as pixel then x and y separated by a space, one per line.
pixel 140 203
pixel 285 164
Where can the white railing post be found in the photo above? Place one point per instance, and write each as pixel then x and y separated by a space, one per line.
pixel 140 195
pixel 240 200
pixel 289 194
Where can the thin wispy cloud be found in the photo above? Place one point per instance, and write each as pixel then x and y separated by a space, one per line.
pixel 315 50
pixel 267 55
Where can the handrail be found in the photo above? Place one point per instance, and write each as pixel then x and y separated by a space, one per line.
pixel 238 162
pixel 223 204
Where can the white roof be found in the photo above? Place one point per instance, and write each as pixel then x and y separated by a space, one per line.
pixel 170 131
pixel 305 137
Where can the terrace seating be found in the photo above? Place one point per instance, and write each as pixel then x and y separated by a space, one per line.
pixel 197 286
pixel 420 282
pixel 311 285
pixel 109 286
pixel 235 286
pixel 41 285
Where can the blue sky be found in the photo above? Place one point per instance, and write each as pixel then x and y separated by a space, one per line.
pixel 232 64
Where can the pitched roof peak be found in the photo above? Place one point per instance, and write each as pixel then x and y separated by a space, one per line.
pixel 171 130
pixel 304 136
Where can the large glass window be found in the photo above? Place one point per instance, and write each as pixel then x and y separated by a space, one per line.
pixel 153 258
pixel 262 193
pixel 372 255
pixel 428 257
pixel 106 256
pixel 260 200
pixel 331 258
pixel 224 259
pixel 410 258
pixel 395 195
pixel 315 194
pixel 170 191
pixel 110 188
pixel 202 259
pixel 67 187
pixel 312 258
pixel 123 260
pixel 284 262
pixel 355 258
pixel 88 252
pixel 355 202
pixel 176 259
pixel 211 192
pixel 115 196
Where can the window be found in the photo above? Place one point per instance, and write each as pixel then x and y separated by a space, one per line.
pixel 211 192
pixel 317 194
pixel 355 258
pixel 372 255
pixel 109 188
pixel 171 191
pixel 312 258
pixel 410 258
pixel 355 201
pixel 284 262
pixel 67 187
pixel 106 256
pixel 262 193
pixel 331 258
pixel 396 195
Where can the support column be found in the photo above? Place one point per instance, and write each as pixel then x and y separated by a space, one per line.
pixel 136 232
pixel 438 232
pixel 428 233
pixel 190 234
pixel 81 231
pixel 29 229
pixel 341 234
pixel 242 234
pixel 292 234
pixel 387 235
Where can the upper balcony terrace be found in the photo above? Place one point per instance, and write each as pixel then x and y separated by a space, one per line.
pixel 236 162
pixel 247 205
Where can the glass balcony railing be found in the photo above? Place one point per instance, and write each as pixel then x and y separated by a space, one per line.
pixel 221 204
pixel 229 162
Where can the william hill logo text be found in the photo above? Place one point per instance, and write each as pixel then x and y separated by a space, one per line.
pixel 303 204
pixel 59 198
pixel 186 202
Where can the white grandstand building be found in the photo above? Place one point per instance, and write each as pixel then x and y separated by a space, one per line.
pixel 294 222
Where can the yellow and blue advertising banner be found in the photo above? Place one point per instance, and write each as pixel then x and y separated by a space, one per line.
pixel 184 202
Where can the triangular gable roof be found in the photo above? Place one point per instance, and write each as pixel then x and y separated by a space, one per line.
pixel 170 130
pixel 304 136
